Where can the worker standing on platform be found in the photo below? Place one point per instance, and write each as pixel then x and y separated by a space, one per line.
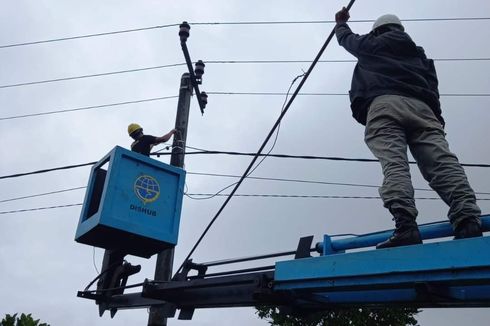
pixel 144 143
pixel 394 93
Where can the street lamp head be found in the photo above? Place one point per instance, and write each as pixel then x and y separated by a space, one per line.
pixel 184 31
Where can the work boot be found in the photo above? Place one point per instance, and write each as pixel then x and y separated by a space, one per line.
pixel 406 233
pixel 468 228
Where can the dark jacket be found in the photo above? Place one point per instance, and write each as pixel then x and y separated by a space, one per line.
pixel 388 64
pixel 144 144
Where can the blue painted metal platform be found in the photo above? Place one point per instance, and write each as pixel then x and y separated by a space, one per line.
pixel 448 273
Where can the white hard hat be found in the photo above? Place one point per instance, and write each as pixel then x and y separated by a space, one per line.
pixel 388 19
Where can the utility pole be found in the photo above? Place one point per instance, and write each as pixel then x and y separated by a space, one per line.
pixel 165 259
pixel 189 81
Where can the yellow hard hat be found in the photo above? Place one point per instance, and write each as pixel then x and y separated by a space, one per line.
pixel 133 127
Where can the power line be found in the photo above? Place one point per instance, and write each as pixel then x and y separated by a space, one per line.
pixel 91 75
pixel 220 175
pixel 38 209
pixel 210 93
pixel 209 152
pixel 325 61
pixel 42 194
pixel 313 157
pixel 102 106
pixel 87 36
pixel 317 182
pixel 207 62
pixel 289 180
pixel 233 176
pixel 252 168
pixel 66 167
pixel 286 22
pixel 264 156
pixel 304 196
pixel 231 23
pixel 331 94
pixel 192 196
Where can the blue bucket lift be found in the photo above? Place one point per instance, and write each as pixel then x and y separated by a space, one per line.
pixel 347 274
pixel 133 205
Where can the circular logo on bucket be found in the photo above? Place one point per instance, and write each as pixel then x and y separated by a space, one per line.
pixel 146 189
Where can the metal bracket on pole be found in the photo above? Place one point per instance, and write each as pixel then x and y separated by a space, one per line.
pixel 115 273
pixel 188 266
pixel 304 245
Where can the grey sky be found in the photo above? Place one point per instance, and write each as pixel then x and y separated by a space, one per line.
pixel 41 267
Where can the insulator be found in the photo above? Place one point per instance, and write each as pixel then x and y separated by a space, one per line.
pixel 184 31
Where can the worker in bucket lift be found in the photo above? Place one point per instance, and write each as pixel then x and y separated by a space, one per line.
pixel 144 143
pixel 394 93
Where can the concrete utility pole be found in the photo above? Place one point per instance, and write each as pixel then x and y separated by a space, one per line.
pixel 189 81
pixel 165 259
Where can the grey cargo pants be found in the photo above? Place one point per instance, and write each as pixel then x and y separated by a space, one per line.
pixel 395 122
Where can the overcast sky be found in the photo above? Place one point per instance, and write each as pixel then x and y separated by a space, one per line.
pixel 42 267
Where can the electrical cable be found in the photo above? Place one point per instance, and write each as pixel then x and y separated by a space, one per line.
pixel 100 275
pixel 42 194
pixel 330 94
pixel 210 93
pixel 270 150
pixel 209 152
pixel 312 196
pixel 279 125
pixel 66 167
pixel 211 195
pixel 357 185
pixel 283 113
pixel 325 61
pixel 232 23
pixel 291 180
pixel 91 75
pixel 90 107
pixel 93 261
pixel 311 181
pixel 333 21
pixel 38 208
pixel 309 196
pixel 207 62
pixel 312 157
pixel 87 36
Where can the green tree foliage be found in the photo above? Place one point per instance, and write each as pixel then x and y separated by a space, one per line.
pixel 23 320
pixel 345 317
